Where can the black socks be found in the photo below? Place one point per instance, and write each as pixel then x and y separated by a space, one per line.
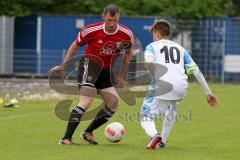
pixel 74 120
pixel 102 117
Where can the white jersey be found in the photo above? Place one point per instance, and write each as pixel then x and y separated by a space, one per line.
pixel 171 60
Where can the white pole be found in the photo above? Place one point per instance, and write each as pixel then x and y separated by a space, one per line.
pixel 38 41
pixel 3 45
pixel 63 55
pixel 206 50
pixel 223 52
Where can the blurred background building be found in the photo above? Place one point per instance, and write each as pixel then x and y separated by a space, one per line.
pixel 32 45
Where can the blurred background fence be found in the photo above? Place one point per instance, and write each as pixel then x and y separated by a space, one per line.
pixel 33 45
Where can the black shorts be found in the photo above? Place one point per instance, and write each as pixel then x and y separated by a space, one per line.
pixel 91 73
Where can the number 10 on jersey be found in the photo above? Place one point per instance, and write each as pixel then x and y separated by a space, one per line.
pixel 171 57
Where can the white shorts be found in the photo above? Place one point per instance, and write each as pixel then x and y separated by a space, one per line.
pixel 153 106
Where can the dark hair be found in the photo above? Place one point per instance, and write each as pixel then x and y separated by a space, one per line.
pixel 111 9
pixel 162 26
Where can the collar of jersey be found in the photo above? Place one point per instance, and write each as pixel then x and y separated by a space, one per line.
pixel 108 32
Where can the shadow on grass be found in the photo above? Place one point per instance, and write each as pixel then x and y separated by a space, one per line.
pixel 112 145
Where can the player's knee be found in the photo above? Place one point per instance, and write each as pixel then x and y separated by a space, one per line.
pixel 86 102
pixel 113 103
pixel 171 115
pixel 145 118
pixel 145 110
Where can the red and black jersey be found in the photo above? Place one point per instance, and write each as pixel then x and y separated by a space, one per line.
pixel 105 45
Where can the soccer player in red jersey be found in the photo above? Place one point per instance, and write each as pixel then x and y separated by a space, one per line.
pixel 105 41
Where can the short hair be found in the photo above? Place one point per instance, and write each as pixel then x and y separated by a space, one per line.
pixel 162 26
pixel 111 9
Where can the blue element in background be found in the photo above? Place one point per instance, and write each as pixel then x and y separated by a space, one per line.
pixel 212 39
pixel 57 34
pixel 25 33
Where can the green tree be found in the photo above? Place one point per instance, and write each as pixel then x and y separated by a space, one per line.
pixel 178 9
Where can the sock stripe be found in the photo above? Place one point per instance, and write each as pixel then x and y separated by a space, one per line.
pixel 74 120
pixel 108 111
pixel 78 109
pixel 101 118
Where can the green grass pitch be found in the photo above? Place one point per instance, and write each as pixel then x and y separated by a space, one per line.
pixel 32 131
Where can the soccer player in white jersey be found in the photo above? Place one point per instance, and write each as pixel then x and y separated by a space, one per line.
pixel 169 62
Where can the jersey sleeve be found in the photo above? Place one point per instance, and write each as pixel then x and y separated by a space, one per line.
pixel 81 39
pixel 189 64
pixel 130 40
pixel 149 55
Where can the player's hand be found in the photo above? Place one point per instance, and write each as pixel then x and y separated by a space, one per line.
pixel 120 82
pixel 57 69
pixel 212 100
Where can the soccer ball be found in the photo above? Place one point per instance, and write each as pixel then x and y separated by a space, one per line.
pixel 114 132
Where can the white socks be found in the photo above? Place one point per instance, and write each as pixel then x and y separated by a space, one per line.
pixel 168 123
pixel 148 125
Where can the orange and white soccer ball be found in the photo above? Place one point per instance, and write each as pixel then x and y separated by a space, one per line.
pixel 114 132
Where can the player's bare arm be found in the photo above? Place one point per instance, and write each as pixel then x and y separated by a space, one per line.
pixel 126 59
pixel 71 51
